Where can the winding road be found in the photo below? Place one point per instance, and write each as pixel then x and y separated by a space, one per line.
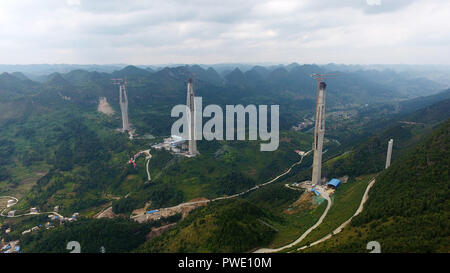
pixel 25 214
pixel 147 159
pixel 341 227
pixel 303 236
pixel 241 193
pixel 255 187
pixel 9 198
pixel 337 230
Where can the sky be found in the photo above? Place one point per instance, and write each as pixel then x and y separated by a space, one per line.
pixel 207 31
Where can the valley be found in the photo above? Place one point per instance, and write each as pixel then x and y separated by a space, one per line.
pixel 62 146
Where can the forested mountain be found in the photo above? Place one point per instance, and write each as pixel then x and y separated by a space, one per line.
pixel 57 149
pixel 406 130
pixel 408 208
pixel 15 86
pixel 229 226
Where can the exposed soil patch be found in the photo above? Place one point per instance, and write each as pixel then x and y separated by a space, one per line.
pixel 106 213
pixel 304 202
pixel 104 107
pixel 155 232
pixel 251 172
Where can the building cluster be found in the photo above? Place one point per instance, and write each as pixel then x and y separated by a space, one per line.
pixel 302 125
pixel 34 211
pixel 154 214
pixel 51 224
pixel 177 144
pixel 343 114
pixel 174 144
pixel 10 247
pixel 328 187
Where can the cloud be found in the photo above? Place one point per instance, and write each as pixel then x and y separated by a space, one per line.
pixel 203 31
pixel 373 2
pixel 73 2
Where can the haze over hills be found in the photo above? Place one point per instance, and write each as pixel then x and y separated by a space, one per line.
pixel 228 127
pixel 57 149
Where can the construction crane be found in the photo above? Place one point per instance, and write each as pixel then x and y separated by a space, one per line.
pixel 319 76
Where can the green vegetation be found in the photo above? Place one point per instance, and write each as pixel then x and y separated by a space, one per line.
pixel 408 209
pixel 278 199
pixel 227 167
pixel 117 235
pixel 125 205
pixel 56 149
pixel 346 200
pixel 294 225
pixel 224 226
pixel 240 225
pixel 369 155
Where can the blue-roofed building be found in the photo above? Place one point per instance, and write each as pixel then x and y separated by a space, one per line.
pixel 316 192
pixel 152 211
pixel 334 183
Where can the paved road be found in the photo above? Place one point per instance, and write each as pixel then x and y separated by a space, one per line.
pixel 25 214
pixel 241 193
pixel 292 188
pixel 147 159
pixel 341 227
pixel 9 198
pixel 255 187
pixel 251 189
pixel 303 236
pixel 148 171
pixel 106 210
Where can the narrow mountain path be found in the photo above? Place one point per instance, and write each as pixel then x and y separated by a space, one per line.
pixel 241 193
pixel 341 227
pixel 257 186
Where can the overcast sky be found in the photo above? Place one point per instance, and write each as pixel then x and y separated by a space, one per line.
pixel 208 31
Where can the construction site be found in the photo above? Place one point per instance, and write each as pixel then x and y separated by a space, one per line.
pixel 176 144
pixel 144 215
pixel 317 190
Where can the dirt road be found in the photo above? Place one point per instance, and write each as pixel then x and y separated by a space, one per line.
pixel 303 236
pixel 341 227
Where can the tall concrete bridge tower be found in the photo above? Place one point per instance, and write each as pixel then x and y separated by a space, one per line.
pixel 319 129
pixel 190 104
pixel 319 133
pixel 389 153
pixel 123 101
